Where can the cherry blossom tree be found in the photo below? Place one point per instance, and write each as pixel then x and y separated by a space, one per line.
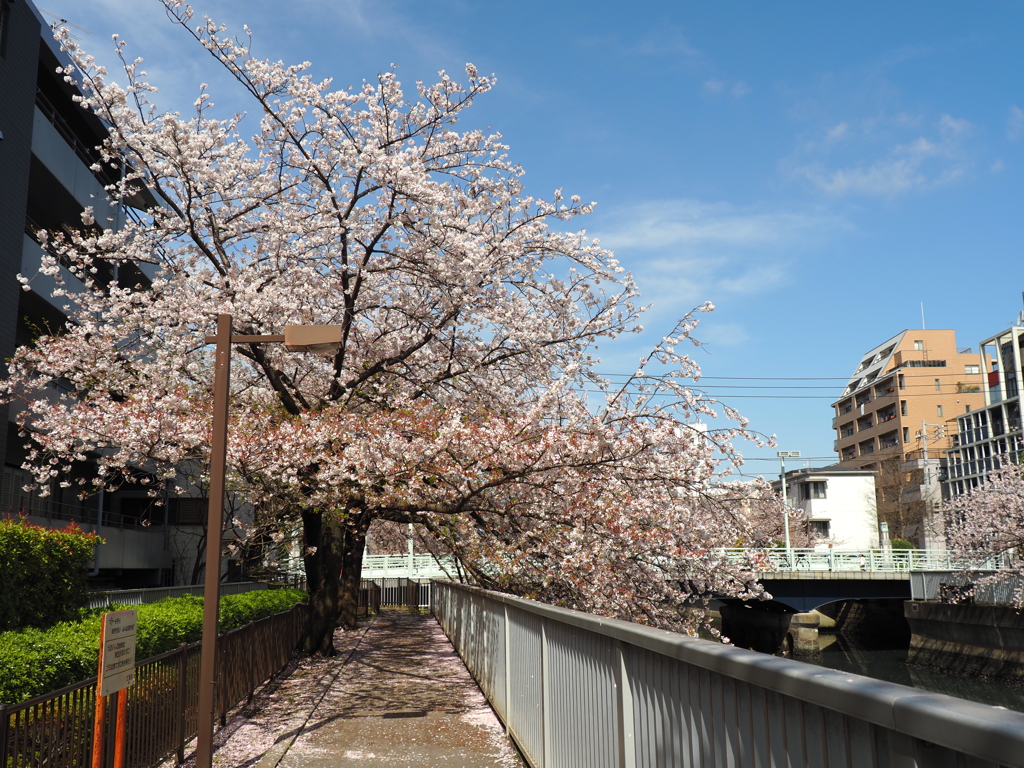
pixel 464 396
pixel 989 521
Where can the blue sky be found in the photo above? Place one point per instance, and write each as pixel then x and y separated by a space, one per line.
pixel 815 171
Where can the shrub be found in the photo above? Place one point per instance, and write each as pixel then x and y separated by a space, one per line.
pixel 42 573
pixel 35 661
pixel 902 544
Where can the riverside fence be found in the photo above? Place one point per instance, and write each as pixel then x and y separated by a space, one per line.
pixel 56 730
pixel 153 594
pixel 575 689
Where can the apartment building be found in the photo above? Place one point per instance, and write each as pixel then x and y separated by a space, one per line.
pixel 46 152
pixel 897 415
pixel 988 435
pixel 838 503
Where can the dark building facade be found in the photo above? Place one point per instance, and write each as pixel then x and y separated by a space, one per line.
pixel 46 151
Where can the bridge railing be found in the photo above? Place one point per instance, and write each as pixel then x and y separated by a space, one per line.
pixel 950 586
pixel 876 560
pixel 399 566
pixel 577 689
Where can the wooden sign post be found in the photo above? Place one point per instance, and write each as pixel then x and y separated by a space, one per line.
pixel 116 673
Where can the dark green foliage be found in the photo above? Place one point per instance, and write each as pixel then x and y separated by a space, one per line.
pixel 42 573
pixel 34 661
pixel 902 544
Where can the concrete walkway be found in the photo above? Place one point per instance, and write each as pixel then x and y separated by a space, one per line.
pixel 397 694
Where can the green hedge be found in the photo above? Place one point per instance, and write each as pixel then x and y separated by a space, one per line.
pixel 42 573
pixel 35 661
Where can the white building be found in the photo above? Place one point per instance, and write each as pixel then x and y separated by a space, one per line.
pixel 839 503
pixel 987 435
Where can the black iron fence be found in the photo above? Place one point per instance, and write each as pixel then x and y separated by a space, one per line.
pixel 56 730
pixel 414 593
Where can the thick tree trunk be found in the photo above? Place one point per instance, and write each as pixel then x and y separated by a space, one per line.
pixel 333 561
pixel 352 570
pixel 322 560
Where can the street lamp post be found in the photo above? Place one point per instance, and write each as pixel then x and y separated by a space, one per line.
pixel 297 338
pixel 783 455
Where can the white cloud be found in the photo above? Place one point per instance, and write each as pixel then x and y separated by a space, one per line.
pixel 721 334
pixel 669 41
pixel 1015 123
pixel 919 162
pixel 997 166
pixel 685 251
pixel 693 224
pixel 738 89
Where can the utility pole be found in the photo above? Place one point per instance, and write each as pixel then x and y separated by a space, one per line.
pixel 783 455
pixel 926 494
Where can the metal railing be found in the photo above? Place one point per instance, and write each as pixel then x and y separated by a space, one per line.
pixel 955 586
pixel 872 560
pixel 579 690
pixel 402 566
pixel 55 730
pixel 153 594
pixel 399 592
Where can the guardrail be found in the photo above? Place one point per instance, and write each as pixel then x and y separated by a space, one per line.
pixel 400 592
pixel 952 586
pixel 55 730
pixel 401 566
pixel 575 689
pixel 882 561
pixel 151 595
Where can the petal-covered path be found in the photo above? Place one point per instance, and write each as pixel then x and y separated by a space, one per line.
pixel 397 694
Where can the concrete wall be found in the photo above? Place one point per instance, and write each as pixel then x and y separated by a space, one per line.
pixel 966 639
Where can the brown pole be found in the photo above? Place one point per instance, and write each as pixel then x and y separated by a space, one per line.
pixel 100 711
pixel 119 731
pixel 214 534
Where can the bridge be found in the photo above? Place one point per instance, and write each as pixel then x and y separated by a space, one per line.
pixel 802 579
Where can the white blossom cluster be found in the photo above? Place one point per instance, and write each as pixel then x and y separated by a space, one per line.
pixel 469 329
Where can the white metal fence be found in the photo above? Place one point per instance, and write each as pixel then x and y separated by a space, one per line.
pixel 952 585
pixel 877 560
pixel 151 595
pixel 403 566
pixel 575 689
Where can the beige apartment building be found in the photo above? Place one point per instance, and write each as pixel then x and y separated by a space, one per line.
pixel 897 415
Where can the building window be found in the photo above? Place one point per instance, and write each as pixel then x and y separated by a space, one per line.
pixel 903 407
pixel 938 385
pixel 813 490
pixel 938 411
pixel 902 383
pixel 972 369
pixel 918 345
pixel 821 528
pixel 906 435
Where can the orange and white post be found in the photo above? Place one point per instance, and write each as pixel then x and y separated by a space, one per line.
pixel 116 673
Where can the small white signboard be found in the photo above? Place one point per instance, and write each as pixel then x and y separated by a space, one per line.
pixel 117 651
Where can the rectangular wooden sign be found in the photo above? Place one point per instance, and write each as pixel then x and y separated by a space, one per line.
pixel 117 649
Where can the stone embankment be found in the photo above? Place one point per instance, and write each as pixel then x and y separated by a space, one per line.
pixel 985 640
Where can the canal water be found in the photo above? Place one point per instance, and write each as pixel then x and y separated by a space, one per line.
pixel 889 663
